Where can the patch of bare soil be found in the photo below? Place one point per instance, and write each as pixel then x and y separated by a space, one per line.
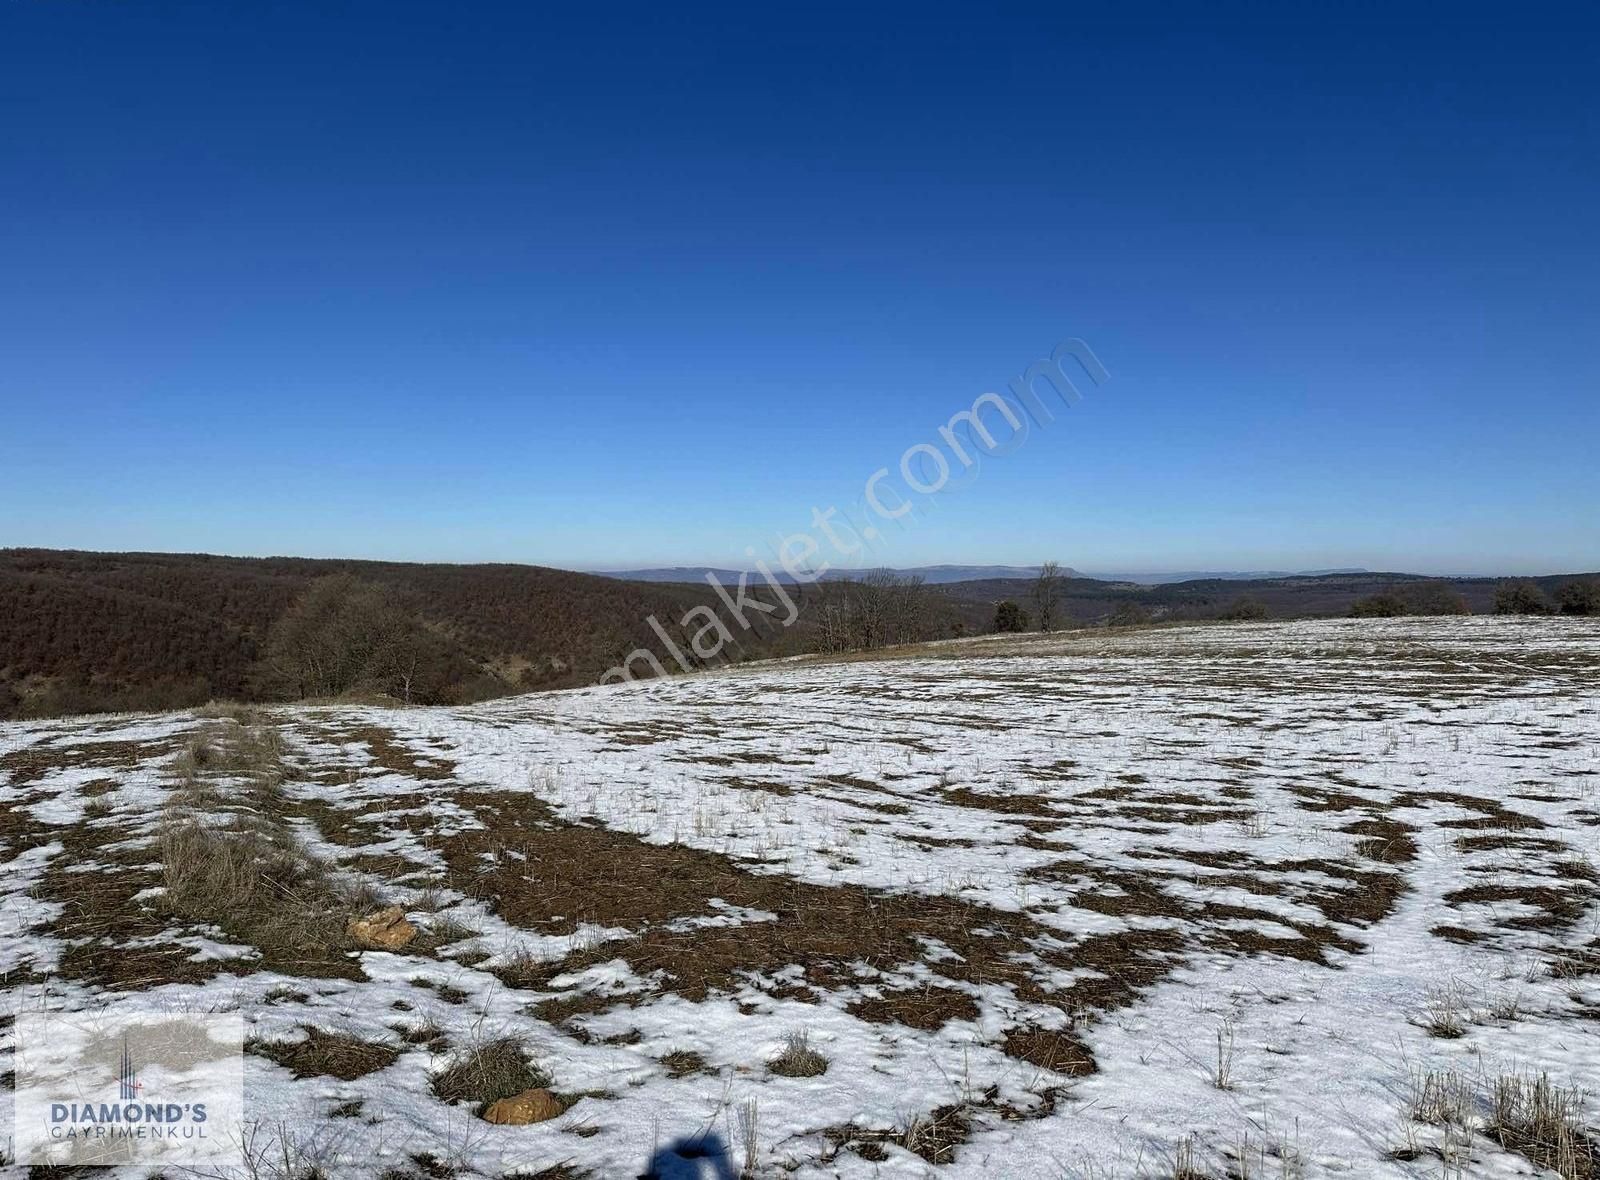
pixel 391 754
pixel 322 1053
pixel 1557 909
pixel 1492 814
pixel 113 937
pixel 927 1008
pixel 42 759
pixel 549 876
pixel 1050 1049
pixel 1386 840
pixel 1038 806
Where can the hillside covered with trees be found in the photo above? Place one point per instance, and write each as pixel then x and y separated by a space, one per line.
pixel 88 632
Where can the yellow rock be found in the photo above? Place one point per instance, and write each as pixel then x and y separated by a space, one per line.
pixel 530 1106
pixel 385 930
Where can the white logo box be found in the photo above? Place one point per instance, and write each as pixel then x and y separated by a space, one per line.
pixel 129 1086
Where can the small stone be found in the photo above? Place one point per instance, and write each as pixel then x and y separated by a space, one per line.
pixel 385 930
pixel 530 1106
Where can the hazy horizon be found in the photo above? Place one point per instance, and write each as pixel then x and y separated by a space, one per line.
pixel 626 566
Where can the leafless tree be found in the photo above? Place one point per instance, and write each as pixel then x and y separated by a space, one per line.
pixel 1047 594
pixel 834 628
pixel 892 608
pixel 884 607
pixel 341 635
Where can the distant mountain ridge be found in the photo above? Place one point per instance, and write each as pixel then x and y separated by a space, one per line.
pixel 933 575
pixel 941 575
pixel 1164 579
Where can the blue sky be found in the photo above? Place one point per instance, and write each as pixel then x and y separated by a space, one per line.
pixel 634 286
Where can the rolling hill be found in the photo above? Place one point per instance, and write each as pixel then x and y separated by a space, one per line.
pixel 85 632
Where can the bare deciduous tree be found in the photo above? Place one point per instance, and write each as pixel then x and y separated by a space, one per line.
pixel 834 629
pixel 341 635
pixel 890 608
pixel 883 608
pixel 1047 594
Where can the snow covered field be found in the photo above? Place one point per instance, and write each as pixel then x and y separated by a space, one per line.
pixel 1244 900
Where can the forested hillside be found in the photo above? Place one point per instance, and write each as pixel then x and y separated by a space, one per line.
pixel 85 632
pixel 88 631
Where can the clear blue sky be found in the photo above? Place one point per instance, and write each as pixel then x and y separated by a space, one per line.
pixel 614 286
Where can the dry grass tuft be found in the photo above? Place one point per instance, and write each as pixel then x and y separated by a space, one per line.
pixel 234 863
pixel 935 1136
pixel 487 1072
pixel 245 715
pixel 228 749
pixel 1543 1122
pixel 260 886
pixel 683 1063
pixel 1050 1049
pixel 1577 963
pixel 429 1034
pixel 1185 1164
pixel 799 1059
pixel 1440 1098
pixel 447 931
pixel 329 1054
pixel 1445 1013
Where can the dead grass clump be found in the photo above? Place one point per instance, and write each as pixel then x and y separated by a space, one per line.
pixel 1557 909
pixel 799 1059
pixel 683 1063
pixel 487 1072
pixel 926 1008
pixel 264 889
pixel 227 750
pixel 424 1166
pixel 428 1034
pixel 329 1054
pixel 245 715
pixel 199 756
pixel 936 1135
pixel 1543 1122
pixel 243 870
pixel 447 931
pixel 1500 843
pixel 449 993
pixel 1184 1161
pixel 522 967
pixel 1577 963
pixel 1049 1049
pixel 1440 1098
pixel 1385 840
pixel 1445 1014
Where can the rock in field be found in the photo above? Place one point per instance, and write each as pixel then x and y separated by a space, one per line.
pixel 385 930
pixel 530 1106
